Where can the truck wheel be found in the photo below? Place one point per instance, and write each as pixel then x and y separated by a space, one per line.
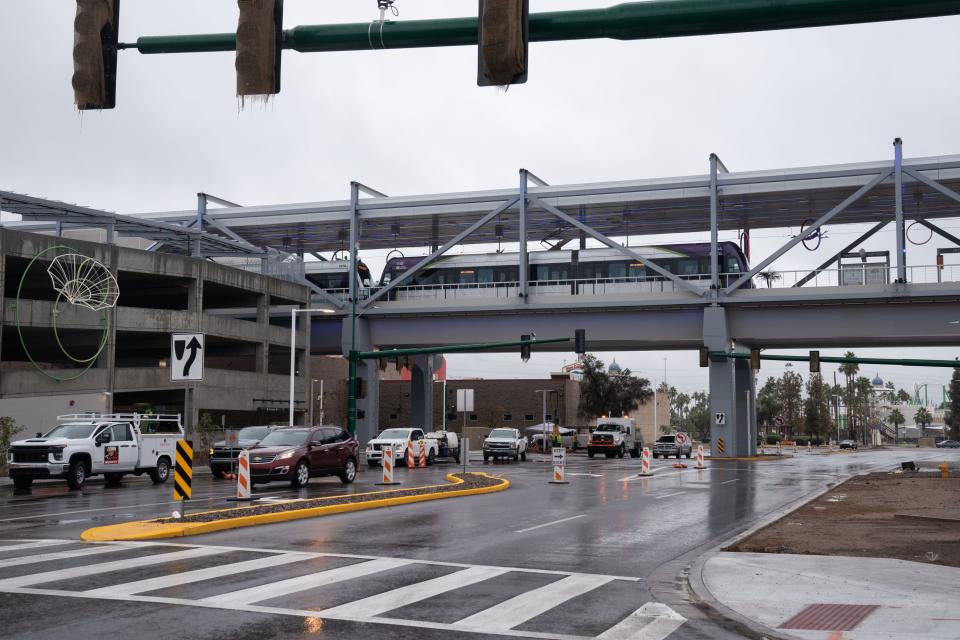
pixel 486 457
pixel 372 464
pixel 217 474
pixel 688 454
pixel 634 453
pixel 431 457
pixel 589 453
pixel 621 452
pixel 456 455
pixel 655 456
pixel 22 483
pixel 301 475
pixel 523 456
pixel 113 478
pixel 77 475
pixel 609 454
pixel 349 471
pixel 161 473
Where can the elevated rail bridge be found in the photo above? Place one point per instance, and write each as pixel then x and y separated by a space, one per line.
pixel 843 301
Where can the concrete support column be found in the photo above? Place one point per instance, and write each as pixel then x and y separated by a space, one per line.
pixel 745 396
pixel 421 392
pixel 368 407
pixel 262 354
pixel 716 337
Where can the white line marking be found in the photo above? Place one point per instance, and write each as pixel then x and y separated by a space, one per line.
pixel 105 567
pixel 64 555
pixel 591 475
pixel 729 481
pixel 652 621
pixel 669 495
pixel 186 577
pixel 547 524
pixel 519 609
pixel 383 602
pixel 34 544
pixel 301 583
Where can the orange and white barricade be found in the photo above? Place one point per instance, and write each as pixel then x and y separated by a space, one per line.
pixel 410 460
pixel 700 457
pixel 645 463
pixel 423 454
pixel 243 475
pixel 388 463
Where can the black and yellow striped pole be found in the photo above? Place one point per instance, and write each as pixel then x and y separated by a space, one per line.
pixel 183 473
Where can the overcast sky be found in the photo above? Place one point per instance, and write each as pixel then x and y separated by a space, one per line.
pixel 414 121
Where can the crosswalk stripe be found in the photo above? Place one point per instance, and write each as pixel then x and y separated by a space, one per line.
pixel 302 583
pixel 519 609
pixel 62 555
pixel 104 567
pixel 652 621
pixel 383 602
pixel 34 544
pixel 186 577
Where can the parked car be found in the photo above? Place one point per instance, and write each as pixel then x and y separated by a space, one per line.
pixel 505 443
pixel 667 446
pixel 398 438
pixel 297 454
pixel 223 457
pixel 848 444
pixel 949 444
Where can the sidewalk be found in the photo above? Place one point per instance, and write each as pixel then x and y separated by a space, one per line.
pixel 894 599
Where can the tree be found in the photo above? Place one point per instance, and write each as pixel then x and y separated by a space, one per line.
pixel 903 397
pixel 817 407
pixel 615 395
pixel 768 403
pixel 896 419
pixel 849 371
pixel 8 429
pixel 769 277
pixel 790 388
pixel 678 410
pixel 698 418
pixel 861 403
pixel 923 418
pixel 953 411
pixel 491 415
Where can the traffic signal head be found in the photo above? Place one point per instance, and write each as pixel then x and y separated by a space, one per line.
pixel 580 341
pixel 755 359
pixel 360 387
pixel 525 347
pixel 814 362
pixel 259 44
pixel 95 54
pixel 704 356
pixel 502 44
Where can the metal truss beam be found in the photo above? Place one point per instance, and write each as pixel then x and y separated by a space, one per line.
pixel 336 302
pixel 409 273
pixel 596 235
pixel 835 257
pixel 940 232
pixel 827 217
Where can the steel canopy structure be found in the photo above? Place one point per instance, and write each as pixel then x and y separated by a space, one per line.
pixel 624 209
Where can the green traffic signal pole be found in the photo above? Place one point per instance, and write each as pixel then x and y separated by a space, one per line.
pixel 627 21
pixel 901 362
pixel 356 356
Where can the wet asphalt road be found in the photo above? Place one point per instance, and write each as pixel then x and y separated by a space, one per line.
pixel 538 560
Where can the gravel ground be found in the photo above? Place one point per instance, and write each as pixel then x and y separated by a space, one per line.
pixel 865 516
pixel 470 481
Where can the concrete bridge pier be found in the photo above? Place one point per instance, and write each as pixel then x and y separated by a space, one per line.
pixel 421 391
pixel 733 417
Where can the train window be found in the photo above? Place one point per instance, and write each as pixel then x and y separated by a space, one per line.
pixel 542 272
pixel 617 269
pixel 558 272
pixel 592 271
pixel 733 265
pixel 467 276
pixel 485 275
pixel 688 267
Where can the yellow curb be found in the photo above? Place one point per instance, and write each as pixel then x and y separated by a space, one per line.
pixel 750 458
pixel 146 530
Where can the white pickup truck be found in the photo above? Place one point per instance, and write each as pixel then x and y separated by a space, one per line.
pixel 397 439
pixel 505 443
pixel 85 445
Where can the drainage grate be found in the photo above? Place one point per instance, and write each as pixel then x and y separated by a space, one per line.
pixel 830 617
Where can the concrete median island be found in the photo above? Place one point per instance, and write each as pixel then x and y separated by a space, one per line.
pixel 461 484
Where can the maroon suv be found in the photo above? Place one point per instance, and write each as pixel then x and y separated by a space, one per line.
pixel 300 453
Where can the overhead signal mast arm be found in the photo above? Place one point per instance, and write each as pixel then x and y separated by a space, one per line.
pixel 627 21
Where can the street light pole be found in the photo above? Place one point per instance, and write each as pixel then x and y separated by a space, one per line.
pixel 543 444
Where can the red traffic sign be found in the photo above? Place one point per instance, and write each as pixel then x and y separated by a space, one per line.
pixel 681 438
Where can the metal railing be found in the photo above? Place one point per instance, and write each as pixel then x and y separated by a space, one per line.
pixel 848 276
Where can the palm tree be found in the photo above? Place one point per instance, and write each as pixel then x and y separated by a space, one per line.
pixel 896 419
pixel 769 277
pixel 849 371
pixel 923 418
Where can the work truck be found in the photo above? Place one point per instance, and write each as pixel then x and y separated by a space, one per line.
pixel 89 444
pixel 615 437
pixel 505 443
pixel 399 439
